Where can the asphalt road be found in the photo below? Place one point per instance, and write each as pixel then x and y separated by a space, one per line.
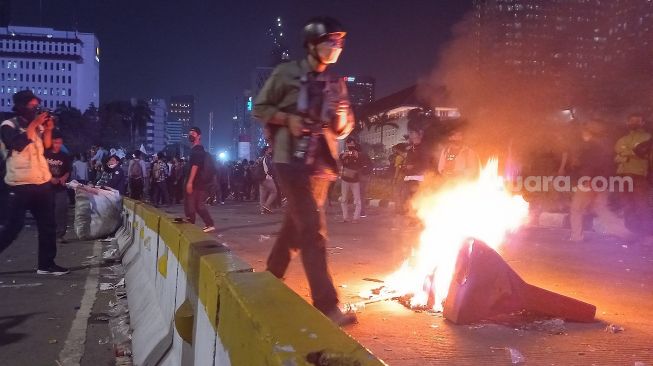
pixel 615 276
pixel 36 312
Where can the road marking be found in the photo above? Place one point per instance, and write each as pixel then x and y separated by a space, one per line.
pixel 21 285
pixel 73 349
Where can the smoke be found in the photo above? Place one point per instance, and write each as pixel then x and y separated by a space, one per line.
pixel 512 90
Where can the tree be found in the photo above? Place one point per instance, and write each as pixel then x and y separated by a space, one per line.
pixel 70 124
pixel 379 122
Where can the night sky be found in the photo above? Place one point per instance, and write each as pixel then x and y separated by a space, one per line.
pixel 208 48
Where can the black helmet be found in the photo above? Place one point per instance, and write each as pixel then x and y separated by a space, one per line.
pixel 316 29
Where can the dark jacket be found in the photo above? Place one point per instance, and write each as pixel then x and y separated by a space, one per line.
pixel 114 178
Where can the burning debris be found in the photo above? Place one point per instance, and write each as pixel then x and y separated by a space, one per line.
pixel 456 269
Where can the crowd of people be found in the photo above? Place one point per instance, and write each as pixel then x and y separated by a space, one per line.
pixel 305 111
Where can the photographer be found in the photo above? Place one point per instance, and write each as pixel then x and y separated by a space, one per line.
pixel 26 137
pixel 306 110
pixel 350 180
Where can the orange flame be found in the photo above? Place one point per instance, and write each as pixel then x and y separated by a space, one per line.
pixel 482 209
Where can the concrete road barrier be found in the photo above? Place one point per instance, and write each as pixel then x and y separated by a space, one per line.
pixel 193 302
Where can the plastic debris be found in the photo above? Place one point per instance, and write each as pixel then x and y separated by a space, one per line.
pixel 343 286
pixel 551 326
pixel 354 307
pixel 312 336
pixel 103 340
pixel 110 254
pixel 106 286
pixel 516 357
pixel 286 348
pixel 613 328
pixel 52 341
pixel 263 238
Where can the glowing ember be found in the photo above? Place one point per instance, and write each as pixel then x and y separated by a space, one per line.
pixel 482 209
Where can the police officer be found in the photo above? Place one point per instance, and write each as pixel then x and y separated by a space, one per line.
pixel 306 110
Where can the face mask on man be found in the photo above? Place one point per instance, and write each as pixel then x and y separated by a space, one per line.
pixel 112 166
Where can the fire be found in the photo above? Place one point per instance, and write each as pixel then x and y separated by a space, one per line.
pixel 482 209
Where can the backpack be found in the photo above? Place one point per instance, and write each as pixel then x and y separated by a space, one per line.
pixel 258 172
pixel 135 169
pixel 209 170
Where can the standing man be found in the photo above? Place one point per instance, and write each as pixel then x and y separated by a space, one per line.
pixel 267 188
pixel 634 166
pixel 350 180
pixel 26 137
pixel 160 175
pixel 365 177
pixel 306 110
pixel 200 175
pixel 136 176
pixel 60 168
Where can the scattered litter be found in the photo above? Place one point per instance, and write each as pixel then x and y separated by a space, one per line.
pixel 103 340
pixel 263 238
pixel 613 328
pixel 109 254
pixel 106 240
pixel 434 326
pixel 388 349
pixel 516 357
pixel 22 285
pixel 373 280
pixel 312 336
pixel 91 256
pixel 303 330
pixel 477 326
pixel 624 246
pixel 52 341
pixel 627 269
pixel 551 326
pixel 119 327
pixel 287 348
pixel 73 285
pixel 335 248
pixel 106 286
pixel 343 286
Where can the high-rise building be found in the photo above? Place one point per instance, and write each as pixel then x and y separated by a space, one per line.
pixel 5 13
pixel 173 132
pixel 580 45
pixel 280 51
pixel 361 89
pixel 182 109
pixel 60 67
pixel 156 128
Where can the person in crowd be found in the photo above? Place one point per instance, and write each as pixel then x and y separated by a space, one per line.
pixel 136 176
pixel 238 181
pixel 113 175
pixel 200 175
pixel 160 175
pixel 590 159
pixel 350 180
pixel 636 167
pixel 99 157
pixel 177 181
pixel 416 163
pixel 457 160
pixel 223 181
pixel 25 138
pixel 80 169
pixel 60 168
pixel 305 152
pixel 396 166
pixel 266 186
pixel 248 181
pixel 365 178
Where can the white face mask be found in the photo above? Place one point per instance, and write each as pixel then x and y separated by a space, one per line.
pixel 112 166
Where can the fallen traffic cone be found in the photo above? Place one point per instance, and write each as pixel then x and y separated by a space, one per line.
pixel 484 286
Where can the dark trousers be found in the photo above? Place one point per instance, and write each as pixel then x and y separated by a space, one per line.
pixel 39 200
pixel 194 204
pixel 136 188
pixel 224 191
pixel 365 182
pixel 61 202
pixel 160 193
pixel 637 213
pixel 304 228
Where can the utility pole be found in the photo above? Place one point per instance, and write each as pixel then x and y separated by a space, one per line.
pixel 210 131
